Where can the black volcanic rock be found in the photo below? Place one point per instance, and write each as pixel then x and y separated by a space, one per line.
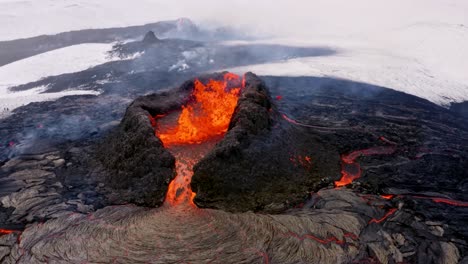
pixel 150 38
pixel 460 108
pixel 251 168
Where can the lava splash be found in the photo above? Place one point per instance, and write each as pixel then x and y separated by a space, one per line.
pixel 205 119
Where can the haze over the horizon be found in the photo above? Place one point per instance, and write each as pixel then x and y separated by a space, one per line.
pixel 285 18
pixel 415 46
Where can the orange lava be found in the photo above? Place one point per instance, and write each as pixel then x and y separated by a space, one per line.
pixel 350 169
pixel 443 200
pixel 387 196
pixel 179 191
pixel 6 231
pixel 450 202
pixel 207 115
pixel 203 120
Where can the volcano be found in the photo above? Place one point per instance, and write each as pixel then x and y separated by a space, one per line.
pixel 245 169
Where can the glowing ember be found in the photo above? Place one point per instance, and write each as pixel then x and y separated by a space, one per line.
pixel 203 120
pixel 208 115
pixel 305 161
pixel 350 170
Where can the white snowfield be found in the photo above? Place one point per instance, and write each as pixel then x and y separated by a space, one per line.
pixel 424 71
pixel 415 46
pixel 66 60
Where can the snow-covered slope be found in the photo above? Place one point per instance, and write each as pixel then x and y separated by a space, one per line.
pixel 66 60
pixel 432 64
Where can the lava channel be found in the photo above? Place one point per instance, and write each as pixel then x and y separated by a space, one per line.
pixel 351 170
pixel 191 133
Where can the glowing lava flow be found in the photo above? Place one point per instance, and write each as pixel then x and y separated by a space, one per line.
pixel 351 170
pixel 203 120
pixel 443 200
pixel 209 115
pixel 6 231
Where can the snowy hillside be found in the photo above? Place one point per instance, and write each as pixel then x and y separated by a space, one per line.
pixel 66 60
pixel 433 65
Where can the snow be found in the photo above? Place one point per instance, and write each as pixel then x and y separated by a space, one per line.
pixel 9 102
pixel 415 46
pixel 66 60
pixel 435 79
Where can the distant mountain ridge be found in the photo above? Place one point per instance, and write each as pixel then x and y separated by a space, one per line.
pixel 14 50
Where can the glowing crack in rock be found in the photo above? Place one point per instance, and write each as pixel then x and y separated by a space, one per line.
pixel 378 221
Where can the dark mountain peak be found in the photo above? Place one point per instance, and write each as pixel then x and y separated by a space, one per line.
pixel 150 38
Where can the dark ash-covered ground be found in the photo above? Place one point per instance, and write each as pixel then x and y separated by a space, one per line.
pixel 56 193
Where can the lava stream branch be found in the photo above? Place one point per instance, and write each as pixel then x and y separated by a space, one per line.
pixel 351 170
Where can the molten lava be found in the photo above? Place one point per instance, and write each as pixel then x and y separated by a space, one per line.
pixel 351 170
pixel 203 120
pixel 207 115
pixel 5 231
pixel 387 196
pixel 443 200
